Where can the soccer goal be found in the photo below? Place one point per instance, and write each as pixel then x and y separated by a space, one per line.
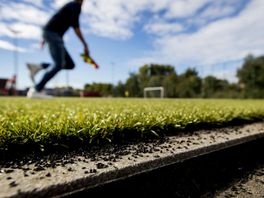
pixel 154 92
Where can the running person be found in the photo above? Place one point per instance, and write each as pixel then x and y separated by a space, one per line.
pixel 53 31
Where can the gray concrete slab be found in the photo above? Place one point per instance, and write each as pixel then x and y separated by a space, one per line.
pixel 85 170
pixel 250 186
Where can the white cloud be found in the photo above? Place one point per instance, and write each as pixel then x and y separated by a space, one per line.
pixel 109 30
pixel 201 8
pixel 160 27
pixel 27 31
pixel 58 3
pixel 23 18
pixel 217 11
pixel 227 39
pixel 24 13
pixel 4 31
pixel 114 18
pixel 156 6
pixel 24 31
pixel 8 46
pixel 118 18
pixel 38 3
pixel 184 8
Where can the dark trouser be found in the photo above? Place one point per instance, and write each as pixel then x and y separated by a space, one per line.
pixel 60 57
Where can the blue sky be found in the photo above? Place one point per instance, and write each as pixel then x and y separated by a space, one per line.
pixel 211 35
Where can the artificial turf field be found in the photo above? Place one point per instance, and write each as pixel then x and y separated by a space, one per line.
pixel 67 122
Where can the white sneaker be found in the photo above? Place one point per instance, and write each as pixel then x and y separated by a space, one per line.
pixel 33 93
pixel 33 70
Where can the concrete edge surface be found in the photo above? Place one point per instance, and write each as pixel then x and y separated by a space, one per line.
pixel 58 182
pixel 162 162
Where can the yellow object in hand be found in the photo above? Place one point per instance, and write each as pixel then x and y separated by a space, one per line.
pixel 89 60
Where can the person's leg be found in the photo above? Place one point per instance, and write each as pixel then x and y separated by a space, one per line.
pixel 35 68
pixel 57 51
pixel 69 64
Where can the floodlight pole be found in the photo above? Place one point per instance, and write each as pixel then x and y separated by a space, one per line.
pixel 67 79
pixel 113 70
pixel 15 56
pixel 113 67
pixel 15 61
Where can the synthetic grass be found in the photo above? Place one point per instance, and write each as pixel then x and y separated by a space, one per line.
pixel 71 122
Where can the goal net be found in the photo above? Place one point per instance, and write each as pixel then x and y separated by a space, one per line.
pixel 154 92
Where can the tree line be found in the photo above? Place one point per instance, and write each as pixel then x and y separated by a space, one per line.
pixel 188 84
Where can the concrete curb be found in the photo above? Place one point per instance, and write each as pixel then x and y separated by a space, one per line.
pixel 61 182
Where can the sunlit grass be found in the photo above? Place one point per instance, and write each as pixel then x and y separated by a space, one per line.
pixel 66 121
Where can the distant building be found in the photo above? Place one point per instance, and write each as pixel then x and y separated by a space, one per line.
pixel 8 86
pixel 89 94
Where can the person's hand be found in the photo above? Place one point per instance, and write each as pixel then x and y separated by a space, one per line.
pixel 42 44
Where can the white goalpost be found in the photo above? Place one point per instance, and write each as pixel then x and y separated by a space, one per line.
pixel 149 89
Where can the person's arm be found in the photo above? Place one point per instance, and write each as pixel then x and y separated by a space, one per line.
pixel 78 32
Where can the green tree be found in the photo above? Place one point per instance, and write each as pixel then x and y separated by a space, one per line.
pixel 132 86
pixel 251 77
pixel 215 88
pixel 148 76
pixel 120 89
pixel 170 83
pixel 189 84
pixel 104 89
